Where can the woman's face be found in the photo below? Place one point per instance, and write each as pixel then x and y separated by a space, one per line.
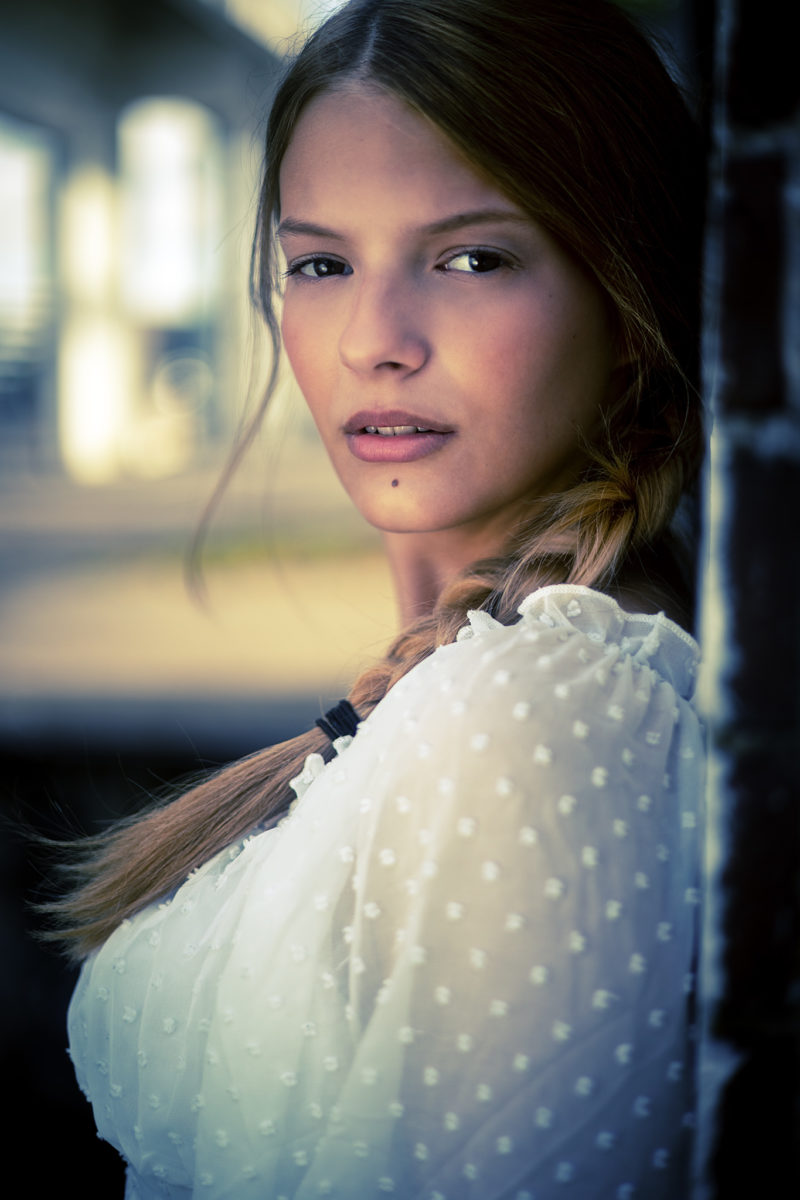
pixel 449 351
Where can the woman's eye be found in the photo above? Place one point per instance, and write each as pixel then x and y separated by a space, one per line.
pixel 476 262
pixel 319 268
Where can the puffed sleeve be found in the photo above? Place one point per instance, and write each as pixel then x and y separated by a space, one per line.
pixel 523 927
pixel 460 969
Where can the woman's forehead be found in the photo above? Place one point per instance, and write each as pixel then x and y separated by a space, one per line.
pixel 363 148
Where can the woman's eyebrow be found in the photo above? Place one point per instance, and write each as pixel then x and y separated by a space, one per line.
pixel 289 225
pixel 479 216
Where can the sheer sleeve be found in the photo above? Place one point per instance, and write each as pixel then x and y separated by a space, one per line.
pixel 524 913
pixel 479 985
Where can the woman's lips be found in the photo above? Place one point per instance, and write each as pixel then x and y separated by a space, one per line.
pixel 394 436
pixel 399 448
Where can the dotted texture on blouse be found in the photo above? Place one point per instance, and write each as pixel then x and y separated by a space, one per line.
pixel 460 969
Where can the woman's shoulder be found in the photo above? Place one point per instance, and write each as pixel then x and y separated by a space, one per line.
pixel 573 637
pixel 577 695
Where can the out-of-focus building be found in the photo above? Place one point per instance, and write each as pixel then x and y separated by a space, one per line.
pixel 129 154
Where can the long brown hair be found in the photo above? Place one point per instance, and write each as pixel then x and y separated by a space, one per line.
pixel 571 113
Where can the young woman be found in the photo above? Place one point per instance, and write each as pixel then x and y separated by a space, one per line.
pixel 459 964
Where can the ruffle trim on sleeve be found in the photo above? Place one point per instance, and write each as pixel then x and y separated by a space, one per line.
pixel 314 766
pixel 478 622
pixel 312 769
pixel 647 638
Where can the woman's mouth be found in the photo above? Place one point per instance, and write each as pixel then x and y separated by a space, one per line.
pixel 396 430
pixel 394 437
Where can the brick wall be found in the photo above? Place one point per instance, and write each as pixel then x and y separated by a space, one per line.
pixel 749 1120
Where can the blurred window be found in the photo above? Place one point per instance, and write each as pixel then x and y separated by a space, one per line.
pixel 27 172
pixel 141 273
pixel 170 181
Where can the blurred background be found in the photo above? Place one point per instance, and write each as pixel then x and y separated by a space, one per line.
pixel 129 156
pixel 130 134
pixel 130 145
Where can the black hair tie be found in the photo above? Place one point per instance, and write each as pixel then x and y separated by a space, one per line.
pixel 340 721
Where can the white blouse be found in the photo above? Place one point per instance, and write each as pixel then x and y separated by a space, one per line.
pixel 459 969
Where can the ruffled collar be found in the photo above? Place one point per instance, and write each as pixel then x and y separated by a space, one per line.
pixel 647 638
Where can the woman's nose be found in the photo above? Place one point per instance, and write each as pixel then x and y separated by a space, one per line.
pixel 384 331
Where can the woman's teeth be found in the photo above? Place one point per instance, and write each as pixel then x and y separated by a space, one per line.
pixel 394 430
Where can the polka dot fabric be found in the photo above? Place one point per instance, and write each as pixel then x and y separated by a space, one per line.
pixel 459 969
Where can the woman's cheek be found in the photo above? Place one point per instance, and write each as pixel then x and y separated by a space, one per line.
pixel 310 345
pixel 291 332
pixel 298 348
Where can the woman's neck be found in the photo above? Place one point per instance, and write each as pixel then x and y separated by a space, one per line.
pixel 423 564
